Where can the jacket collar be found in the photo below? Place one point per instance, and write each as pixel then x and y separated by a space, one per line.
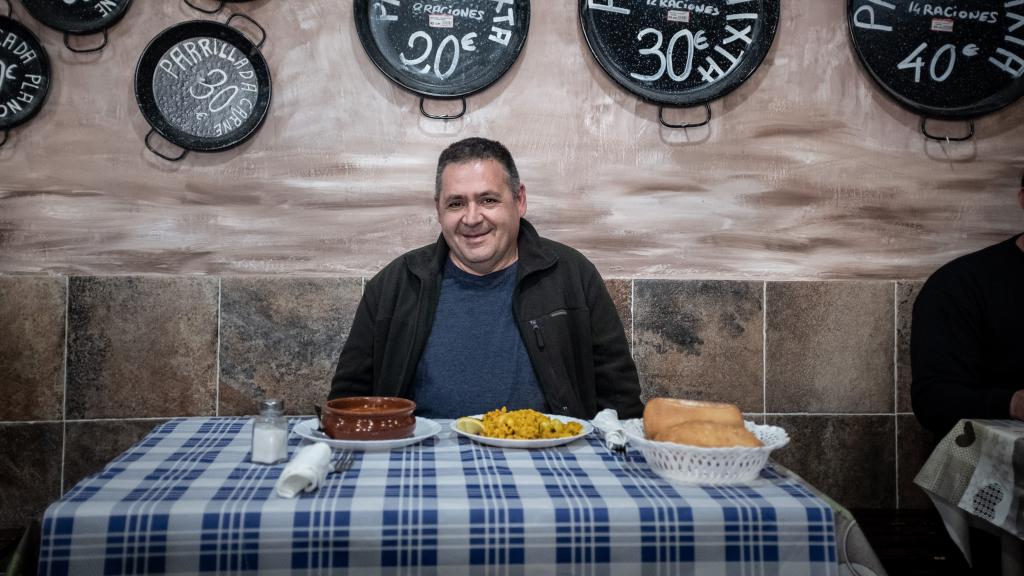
pixel 533 254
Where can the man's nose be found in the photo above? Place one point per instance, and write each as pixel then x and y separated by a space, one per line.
pixel 473 214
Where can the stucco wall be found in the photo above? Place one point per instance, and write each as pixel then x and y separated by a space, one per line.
pixel 806 171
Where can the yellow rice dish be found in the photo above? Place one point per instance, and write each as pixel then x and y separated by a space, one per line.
pixel 526 425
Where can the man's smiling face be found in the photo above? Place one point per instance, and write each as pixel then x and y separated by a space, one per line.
pixel 479 215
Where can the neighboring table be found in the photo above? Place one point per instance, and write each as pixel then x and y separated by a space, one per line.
pixel 975 477
pixel 186 500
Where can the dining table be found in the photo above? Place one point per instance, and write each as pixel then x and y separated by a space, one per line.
pixel 975 478
pixel 186 499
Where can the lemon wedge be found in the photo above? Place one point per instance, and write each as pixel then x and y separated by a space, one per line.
pixel 469 425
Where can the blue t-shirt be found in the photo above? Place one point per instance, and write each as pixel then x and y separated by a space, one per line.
pixel 475 360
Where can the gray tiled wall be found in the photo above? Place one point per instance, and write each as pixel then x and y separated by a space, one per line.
pixel 829 347
pixel 280 338
pixel 88 365
pixel 700 339
pixel 141 347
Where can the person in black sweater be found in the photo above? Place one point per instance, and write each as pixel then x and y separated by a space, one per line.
pixel 967 341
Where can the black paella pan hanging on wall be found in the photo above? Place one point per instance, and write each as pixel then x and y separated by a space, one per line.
pixel 679 53
pixel 941 59
pixel 444 49
pixel 198 5
pixel 24 74
pixel 78 17
pixel 203 86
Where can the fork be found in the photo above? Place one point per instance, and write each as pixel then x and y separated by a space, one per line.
pixel 344 461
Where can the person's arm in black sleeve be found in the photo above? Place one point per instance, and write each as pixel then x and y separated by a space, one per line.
pixel 616 381
pixel 946 361
pixel 353 375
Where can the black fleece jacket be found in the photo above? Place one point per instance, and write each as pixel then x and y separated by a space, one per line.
pixel 566 317
pixel 967 339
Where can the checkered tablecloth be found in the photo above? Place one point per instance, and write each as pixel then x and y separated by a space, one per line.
pixel 186 500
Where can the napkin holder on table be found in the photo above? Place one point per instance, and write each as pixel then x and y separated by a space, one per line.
pixel 607 421
pixel 306 471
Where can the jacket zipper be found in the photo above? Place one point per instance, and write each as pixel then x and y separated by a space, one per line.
pixel 538 333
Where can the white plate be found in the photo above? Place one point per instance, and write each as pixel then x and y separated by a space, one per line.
pixel 425 428
pixel 544 443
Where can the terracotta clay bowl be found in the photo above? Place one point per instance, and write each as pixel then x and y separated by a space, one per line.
pixel 369 418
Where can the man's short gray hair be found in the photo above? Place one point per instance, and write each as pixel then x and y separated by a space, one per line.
pixel 477 149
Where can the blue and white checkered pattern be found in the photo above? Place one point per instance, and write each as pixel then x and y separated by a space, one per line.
pixel 186 500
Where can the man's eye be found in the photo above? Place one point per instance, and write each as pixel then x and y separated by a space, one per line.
pixel 490 200
pixel 454 205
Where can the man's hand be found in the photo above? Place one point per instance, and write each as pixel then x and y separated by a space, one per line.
pixel 1017 405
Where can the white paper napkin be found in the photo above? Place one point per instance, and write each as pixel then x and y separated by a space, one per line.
pixel 607 421
pixel 306 472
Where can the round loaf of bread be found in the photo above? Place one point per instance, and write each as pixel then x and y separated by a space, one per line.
pixel 709 435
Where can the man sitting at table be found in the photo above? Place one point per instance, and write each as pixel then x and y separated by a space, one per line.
pixel 490 315
pixel 967 343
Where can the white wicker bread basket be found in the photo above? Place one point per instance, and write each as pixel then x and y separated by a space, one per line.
pixel 706 465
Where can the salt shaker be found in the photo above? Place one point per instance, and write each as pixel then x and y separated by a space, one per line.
pixel 270 433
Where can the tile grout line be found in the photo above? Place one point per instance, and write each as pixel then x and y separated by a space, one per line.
pixel 155 418
pixel 216 401
pixel 764 350
pixel 64 403
pixel 858 414
pixel 120 419
pixel 896 427
pixel 632 316
pixel 896 381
